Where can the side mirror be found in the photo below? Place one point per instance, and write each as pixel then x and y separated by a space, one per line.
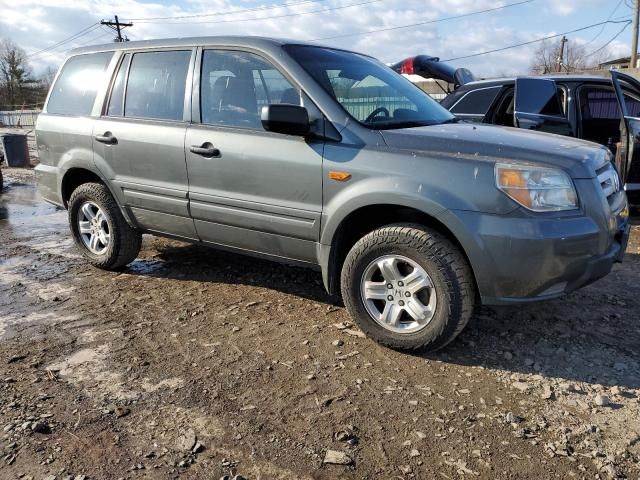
pixel 287 119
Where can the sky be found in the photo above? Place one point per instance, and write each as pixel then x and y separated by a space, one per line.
pixel 35 25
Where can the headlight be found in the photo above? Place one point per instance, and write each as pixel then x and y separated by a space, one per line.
pixel 540 189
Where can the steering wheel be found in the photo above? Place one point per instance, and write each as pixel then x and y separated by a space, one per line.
pixel 376 112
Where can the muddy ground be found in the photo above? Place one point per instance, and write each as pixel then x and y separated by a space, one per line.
pixel 193 363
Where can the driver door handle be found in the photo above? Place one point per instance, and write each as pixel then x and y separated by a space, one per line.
pixel 107 138
pixel 206 150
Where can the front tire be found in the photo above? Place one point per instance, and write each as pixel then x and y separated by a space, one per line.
pixel 408 287
pixel 99 229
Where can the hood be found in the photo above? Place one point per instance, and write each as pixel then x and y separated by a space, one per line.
pixel 491 143
pixel 431 67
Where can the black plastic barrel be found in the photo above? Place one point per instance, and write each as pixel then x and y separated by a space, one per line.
pixel 16 151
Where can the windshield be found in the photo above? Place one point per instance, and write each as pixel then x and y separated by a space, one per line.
pixel 369 91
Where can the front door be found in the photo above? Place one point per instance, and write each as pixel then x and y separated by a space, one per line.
pixel 628 155
pixel 139 141
pixel 538 106
pixel 249 188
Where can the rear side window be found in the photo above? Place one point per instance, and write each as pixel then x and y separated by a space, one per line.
pixel 476 102
pixel 603 104
pixel 77 85
pixel 156 85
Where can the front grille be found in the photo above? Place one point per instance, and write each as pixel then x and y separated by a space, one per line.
pixel 609 181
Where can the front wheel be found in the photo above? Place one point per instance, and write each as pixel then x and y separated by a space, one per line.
pixel 408 287
pixel 99 229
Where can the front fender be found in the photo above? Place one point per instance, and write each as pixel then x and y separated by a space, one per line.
pixel 398 191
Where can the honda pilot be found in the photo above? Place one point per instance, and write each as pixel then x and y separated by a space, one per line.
pixel 329 159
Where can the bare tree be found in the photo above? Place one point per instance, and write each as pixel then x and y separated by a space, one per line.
pixel 17 86
pixel 46 78
pixel 548 57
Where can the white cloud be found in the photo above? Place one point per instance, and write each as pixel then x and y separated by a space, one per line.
pixel 38 24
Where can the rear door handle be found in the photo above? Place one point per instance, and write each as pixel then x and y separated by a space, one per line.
pixel 206 150
pixel 107 138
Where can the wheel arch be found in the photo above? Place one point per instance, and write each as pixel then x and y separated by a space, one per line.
pixel 365 219
pixel 75 176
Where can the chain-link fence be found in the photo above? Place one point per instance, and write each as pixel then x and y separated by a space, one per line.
pixel 19 118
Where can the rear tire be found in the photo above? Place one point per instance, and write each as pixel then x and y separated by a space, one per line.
pixel 389 280
pixel 99 229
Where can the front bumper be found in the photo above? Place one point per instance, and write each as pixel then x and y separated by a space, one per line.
pixel 521 257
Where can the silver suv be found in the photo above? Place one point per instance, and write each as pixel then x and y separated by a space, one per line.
pixel 329 159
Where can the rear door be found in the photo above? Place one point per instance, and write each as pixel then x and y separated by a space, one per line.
pixel 538 106
pixel 628 155
pixel 248 188
pixel 139 139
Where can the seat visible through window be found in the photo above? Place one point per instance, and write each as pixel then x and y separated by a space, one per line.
pixel 156 85
pixel 236 85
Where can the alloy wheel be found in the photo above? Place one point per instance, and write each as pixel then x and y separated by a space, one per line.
pixel 398 294
pixel 94 228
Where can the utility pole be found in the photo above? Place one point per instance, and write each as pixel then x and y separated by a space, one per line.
pixel 634 38
pixel 560 60
pixel 117 26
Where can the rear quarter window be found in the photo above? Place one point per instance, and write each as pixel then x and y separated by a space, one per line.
pixel 75 90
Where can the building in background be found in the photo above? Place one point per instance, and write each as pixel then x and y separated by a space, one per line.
pixel 618 63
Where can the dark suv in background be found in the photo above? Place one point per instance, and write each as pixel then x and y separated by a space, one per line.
pixel 582 106
pixel 328 159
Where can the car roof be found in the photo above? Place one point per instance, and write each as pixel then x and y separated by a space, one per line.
pixel 510 80
pixel 558 77
pixel 230 41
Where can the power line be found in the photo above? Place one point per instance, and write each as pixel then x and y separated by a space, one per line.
pixel 284 15
pixel 82 32
pixel 411 25
pixel 228 12
pixel 117 27
pixel 602 29
pixel 624 27
pixel 93 39
pixel 536 40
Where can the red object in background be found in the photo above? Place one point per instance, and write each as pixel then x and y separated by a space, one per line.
pixel 407 67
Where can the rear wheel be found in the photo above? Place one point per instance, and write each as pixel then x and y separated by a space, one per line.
pixel 408 287
pixel 99 229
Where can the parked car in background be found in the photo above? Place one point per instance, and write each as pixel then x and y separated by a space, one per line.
pixel 583 106
pixel 328 159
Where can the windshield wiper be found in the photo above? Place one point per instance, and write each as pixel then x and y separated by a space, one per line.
pixel 451 120
pixel 393 125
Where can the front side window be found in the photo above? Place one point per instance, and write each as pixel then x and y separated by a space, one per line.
pixel 236 85
pixel 539 96
pixel 476 102
pixel 370 92
pixel 156 85
pixel 76 88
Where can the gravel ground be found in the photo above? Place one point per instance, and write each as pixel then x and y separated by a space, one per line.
pixel 193 363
